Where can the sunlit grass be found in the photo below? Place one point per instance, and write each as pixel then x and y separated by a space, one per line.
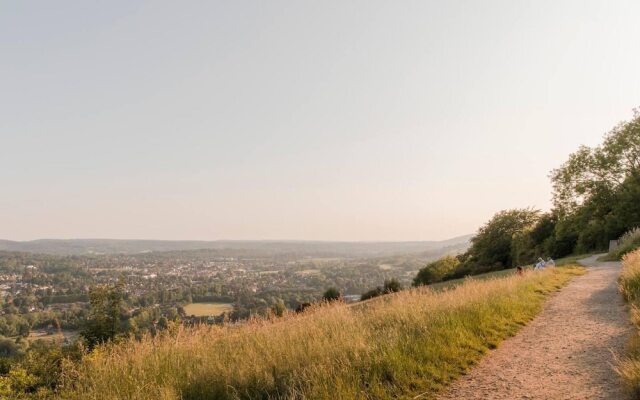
pixel 207 309
pixel 629 366
pixel 411 343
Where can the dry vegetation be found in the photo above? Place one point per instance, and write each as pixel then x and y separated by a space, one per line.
pixel 629 367
pixel 626 244
pixel 408 344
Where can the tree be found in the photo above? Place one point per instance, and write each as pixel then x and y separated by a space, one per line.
pixel 103 322
pixel 596 190
pixel 436 271
pixel 625 211
pixel 491 247
pixel 331 294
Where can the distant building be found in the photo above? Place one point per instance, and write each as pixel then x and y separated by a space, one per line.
pixel 351 298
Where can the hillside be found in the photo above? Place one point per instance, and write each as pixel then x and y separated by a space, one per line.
pixel 568 352
pixel 403 345
pixel 312 248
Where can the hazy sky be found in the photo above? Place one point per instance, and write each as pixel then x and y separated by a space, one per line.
pixel 333 120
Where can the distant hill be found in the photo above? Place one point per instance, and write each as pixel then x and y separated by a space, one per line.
pixel 318 248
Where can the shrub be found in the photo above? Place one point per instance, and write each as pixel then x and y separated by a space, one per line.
pixel 279 308
pixel 331 294
pixel 17 383
pixel 8 347
pixel 37 372
pixel 390 286
pixel 372 293
pixel 436 271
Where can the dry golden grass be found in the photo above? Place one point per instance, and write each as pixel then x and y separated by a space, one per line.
pixel 630 277
pixel 629 366
pixel 408 344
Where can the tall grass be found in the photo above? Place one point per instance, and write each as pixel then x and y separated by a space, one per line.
pixel 402 345
pixel 627 243
pixel 629 366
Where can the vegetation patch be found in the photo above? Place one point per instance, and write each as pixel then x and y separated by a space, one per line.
pixel 413 343
pixel 207 309
pixel 595 200
pixel 627 243
pixel 629 366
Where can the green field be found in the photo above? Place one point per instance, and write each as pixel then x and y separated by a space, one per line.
pixel 207 309
pixel 57 337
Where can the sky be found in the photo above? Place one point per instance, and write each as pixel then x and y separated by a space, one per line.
pixel 310 120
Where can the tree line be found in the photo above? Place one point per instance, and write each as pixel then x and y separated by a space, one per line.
pixel 596 198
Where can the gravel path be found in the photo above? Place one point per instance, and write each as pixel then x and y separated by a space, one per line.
pixel 566 352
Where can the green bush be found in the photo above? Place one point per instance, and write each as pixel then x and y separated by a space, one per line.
pixel 390 286
pixel 331 294
pixel 436 271
pixel 372 293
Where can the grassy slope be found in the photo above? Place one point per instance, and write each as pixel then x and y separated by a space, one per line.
pixel 412 343
pixel 629 367
pixel 618 254
pixel 571 260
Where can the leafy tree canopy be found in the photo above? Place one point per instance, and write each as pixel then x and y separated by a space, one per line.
pixel 492 244
pixel 596 173
pixel 436 271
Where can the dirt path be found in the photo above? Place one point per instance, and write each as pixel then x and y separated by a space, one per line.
pixel 565 352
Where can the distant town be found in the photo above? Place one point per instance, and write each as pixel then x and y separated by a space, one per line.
pixel 46 296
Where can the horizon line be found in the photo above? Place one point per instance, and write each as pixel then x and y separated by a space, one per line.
pixel 238 240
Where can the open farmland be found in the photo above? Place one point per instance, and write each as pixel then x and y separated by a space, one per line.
pixel 207 309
